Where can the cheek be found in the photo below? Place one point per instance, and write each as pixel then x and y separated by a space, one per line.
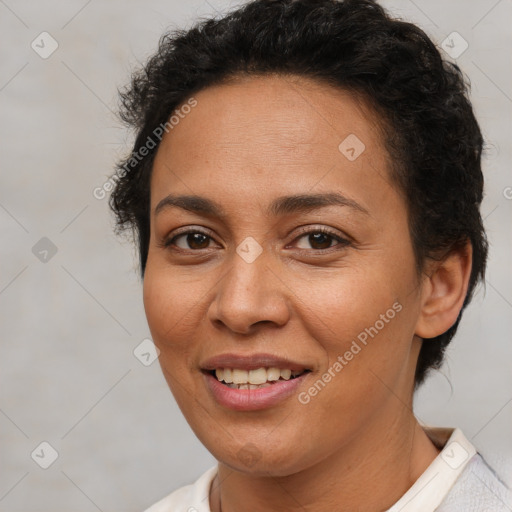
pixel 169 301
pixel 170 306
pixel 365 357
pixel 347 301
pixel 364 321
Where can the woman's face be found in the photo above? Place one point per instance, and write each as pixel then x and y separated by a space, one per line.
pixel 279 241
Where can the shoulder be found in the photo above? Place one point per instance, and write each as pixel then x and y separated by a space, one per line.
pixel 190 498
pixel 478 489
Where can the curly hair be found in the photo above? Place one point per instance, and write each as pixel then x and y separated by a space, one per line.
pixel 433 137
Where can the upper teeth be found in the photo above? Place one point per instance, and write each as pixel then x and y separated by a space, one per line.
pixel 258 376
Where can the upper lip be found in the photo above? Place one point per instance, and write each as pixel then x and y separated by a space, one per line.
pixel 251 362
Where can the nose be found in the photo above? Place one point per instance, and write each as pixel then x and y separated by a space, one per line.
pixel 249 294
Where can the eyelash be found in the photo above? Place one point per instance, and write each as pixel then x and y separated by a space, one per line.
pixel 342 242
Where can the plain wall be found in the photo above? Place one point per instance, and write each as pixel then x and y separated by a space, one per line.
pixel 69 325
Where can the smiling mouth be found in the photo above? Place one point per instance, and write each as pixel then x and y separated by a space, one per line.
pixel 258 378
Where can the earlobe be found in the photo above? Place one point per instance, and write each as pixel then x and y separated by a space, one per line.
pixel 443 292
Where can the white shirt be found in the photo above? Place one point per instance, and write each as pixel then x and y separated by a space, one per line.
pixel 457 480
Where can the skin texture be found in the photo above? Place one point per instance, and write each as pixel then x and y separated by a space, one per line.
pixel 245 144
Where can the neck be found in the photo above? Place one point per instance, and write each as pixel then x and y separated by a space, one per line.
pixel 370 473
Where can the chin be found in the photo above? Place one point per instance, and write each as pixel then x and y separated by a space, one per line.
pixel 264 461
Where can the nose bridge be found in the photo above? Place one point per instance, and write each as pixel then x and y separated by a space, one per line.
pixel 249 293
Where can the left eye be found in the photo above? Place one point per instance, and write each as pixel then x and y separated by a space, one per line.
pixel 319 240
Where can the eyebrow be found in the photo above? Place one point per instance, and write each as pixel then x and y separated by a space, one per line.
pixel 299 203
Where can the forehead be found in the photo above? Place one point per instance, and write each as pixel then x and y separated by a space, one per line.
pixel 271 132
pixel 293 111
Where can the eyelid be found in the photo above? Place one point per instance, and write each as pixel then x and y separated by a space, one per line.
pixel 308 228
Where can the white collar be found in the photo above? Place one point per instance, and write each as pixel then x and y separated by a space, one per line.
pixel 441 474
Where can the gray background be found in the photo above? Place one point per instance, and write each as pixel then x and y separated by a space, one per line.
pixel 69 325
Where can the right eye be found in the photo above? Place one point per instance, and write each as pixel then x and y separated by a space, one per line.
pixel 189 241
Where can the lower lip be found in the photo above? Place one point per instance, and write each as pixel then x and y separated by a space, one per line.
pixel 252 399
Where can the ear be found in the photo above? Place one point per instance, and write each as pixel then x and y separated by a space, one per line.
pixel 444 288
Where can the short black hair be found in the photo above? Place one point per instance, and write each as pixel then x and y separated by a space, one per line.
pixel 433 139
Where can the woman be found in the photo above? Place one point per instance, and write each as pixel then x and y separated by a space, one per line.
pixel 305 188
